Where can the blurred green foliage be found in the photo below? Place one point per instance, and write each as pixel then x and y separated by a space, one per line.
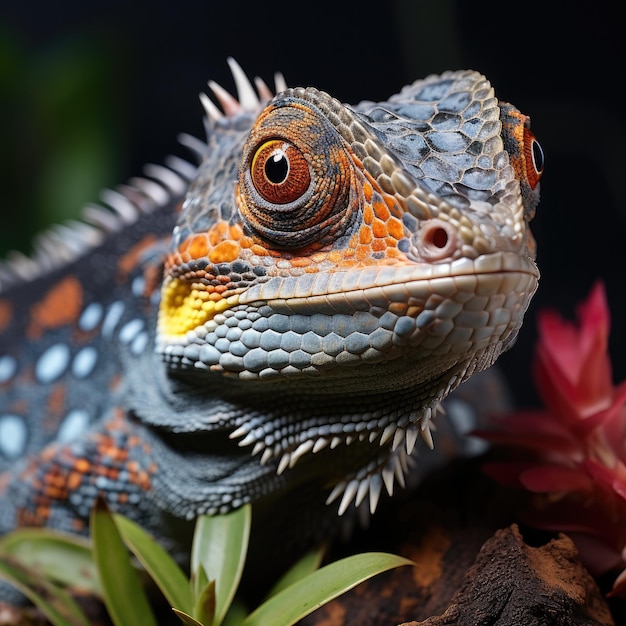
pixel 47 566
pixel 62 137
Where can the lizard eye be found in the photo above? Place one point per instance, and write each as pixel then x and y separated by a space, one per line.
pixel 534 159
pixel 279 172
pixel 295 176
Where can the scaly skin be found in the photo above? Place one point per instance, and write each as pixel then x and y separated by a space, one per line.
pixel 333 274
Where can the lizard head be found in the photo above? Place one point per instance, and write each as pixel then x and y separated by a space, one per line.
pixel 342 268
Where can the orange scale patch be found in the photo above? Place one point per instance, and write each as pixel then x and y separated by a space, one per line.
pixel 379 228
pixel 395 228
pixel 368 191
pixel 381 210
pixel 378 245
pixel 392 205
pixel 129 261
pixel 368 213
pixel 363 253
pixel 260 250
pixel 301 261
pixel 365 234
pixel 335 256
pixel 197 246
pixel 224 252
pixel 61 305
pixel 6 313
pixel 82 466
pixel 73 480
pixel 218 233
pixel 348 263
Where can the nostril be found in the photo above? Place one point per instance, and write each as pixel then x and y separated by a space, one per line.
pixel 436 240
pixel 438 237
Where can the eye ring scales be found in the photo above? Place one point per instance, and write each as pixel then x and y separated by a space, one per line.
pixel 295 178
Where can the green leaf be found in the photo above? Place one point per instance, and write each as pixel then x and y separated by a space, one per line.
pixel 58 556
pixel 307 564
pixel 220 544
pixel 55 603
pixel 295 602
pixel 199 580
pixel 185 618
pixel 161 567
pixel 204 609
pixel 124 596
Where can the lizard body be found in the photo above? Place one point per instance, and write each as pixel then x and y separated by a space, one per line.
pixel 331 274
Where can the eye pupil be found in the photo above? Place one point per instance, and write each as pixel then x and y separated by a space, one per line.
pixel 277 168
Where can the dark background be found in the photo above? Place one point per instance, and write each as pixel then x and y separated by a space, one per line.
pixel 92 91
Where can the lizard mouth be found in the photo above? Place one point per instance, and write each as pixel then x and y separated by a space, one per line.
pixel 307 325
pixel 395 283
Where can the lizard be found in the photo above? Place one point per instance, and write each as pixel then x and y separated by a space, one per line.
pixel 275 320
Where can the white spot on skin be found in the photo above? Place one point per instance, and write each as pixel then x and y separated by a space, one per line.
pixel 137 286
pixel 8 367
pixel 112 319
pixel 52 363
pixel 90 317
pixel 13 436
pixel 139 343
pixel 84 362
pixel 74 425
pixel 130 330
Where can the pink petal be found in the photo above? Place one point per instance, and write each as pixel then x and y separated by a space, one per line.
pixel 611 424
pixel 595 319
pixel 572 367
pixel 612 477
pixel 560 341
pixel 505 473
pixel 534 430
pixel 555 478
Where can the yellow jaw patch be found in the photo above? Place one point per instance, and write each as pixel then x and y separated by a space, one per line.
pixel 187 305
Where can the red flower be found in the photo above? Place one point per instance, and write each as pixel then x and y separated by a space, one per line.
pixel 573 453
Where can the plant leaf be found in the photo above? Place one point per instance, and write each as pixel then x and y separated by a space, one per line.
pixel 161 567
pixel 124 596
pixel 204 609
pixel 199 580
pixel 55 603
pixel 185 618
pixel 304 566
pixel 301 598
pixel 220 544
pixel 58 556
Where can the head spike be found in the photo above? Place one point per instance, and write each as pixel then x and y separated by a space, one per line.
pixel 229 104
pixel 265 93
pixel 279 82
pixel 248 99
pixel 212 112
